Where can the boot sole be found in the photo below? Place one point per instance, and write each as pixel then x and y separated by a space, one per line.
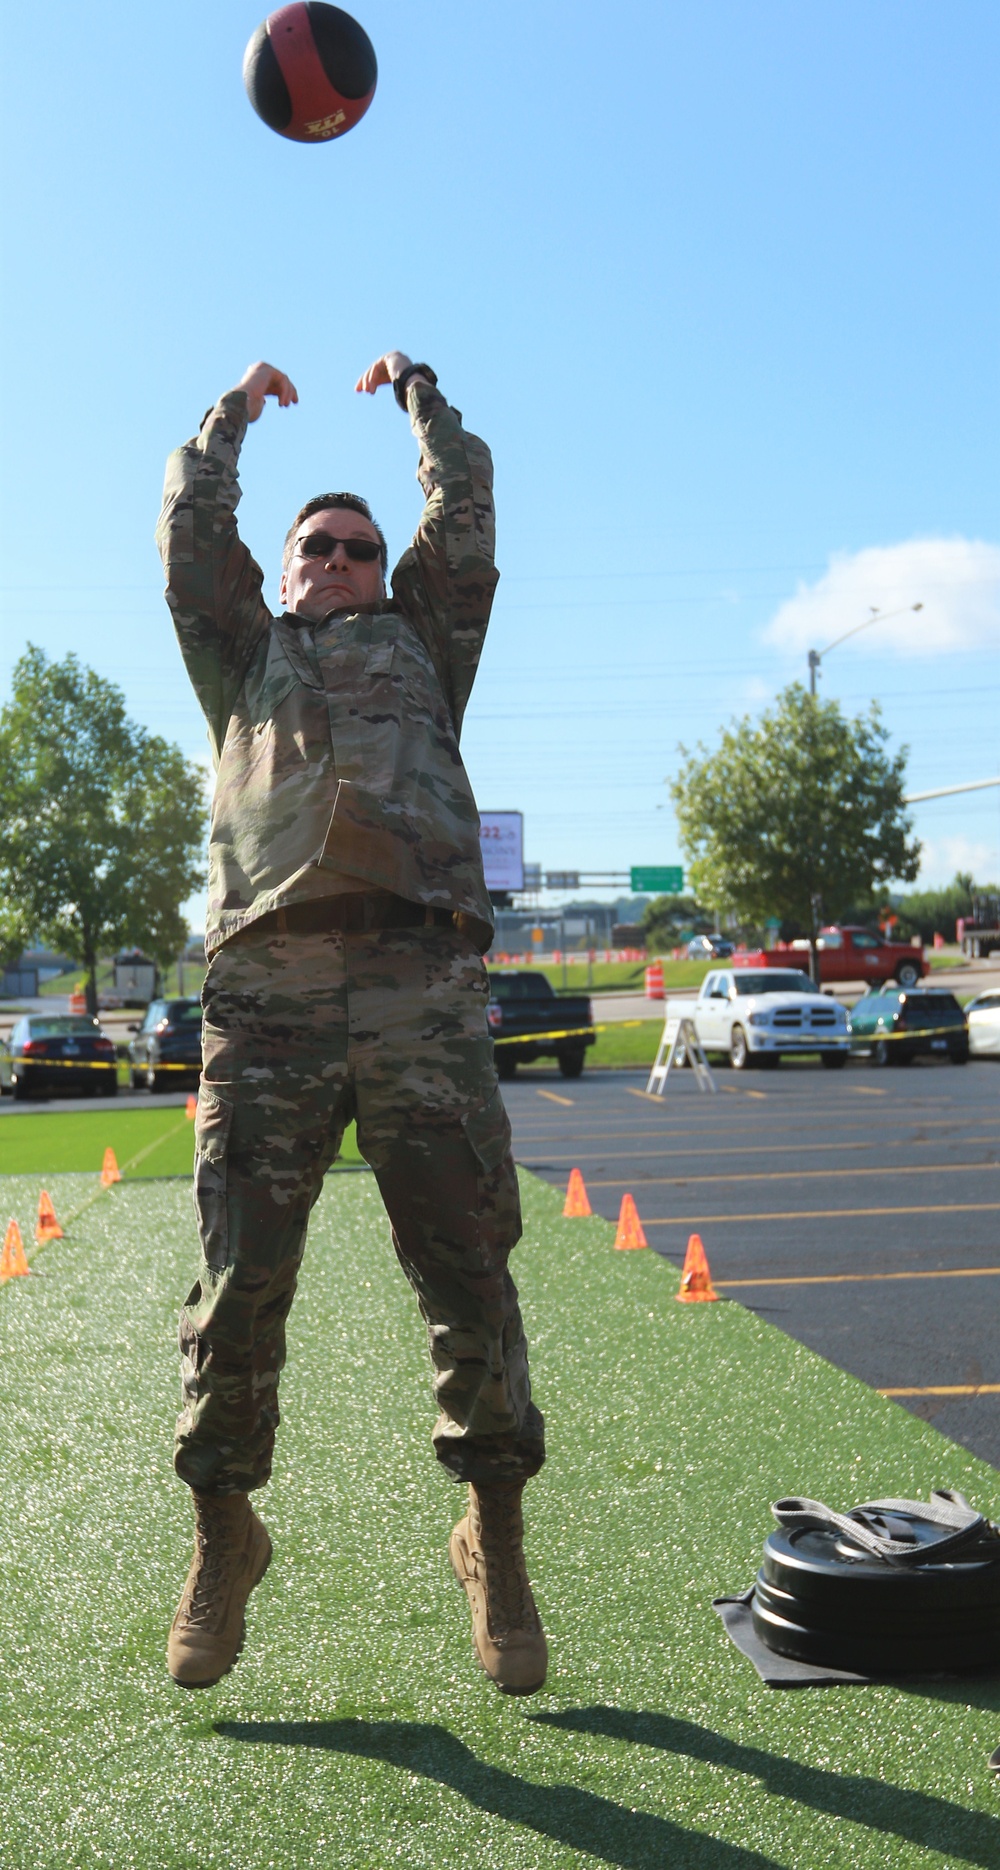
pixel 502 1688
pixel 195 1686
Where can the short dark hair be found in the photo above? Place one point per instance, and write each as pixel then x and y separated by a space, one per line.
pixel 321 504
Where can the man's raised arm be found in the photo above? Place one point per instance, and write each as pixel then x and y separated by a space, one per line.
pixel 446 579
pixel 213 584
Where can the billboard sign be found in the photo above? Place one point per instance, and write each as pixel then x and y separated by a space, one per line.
pixel 501 835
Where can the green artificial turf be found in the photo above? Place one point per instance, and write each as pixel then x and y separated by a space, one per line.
pixel 155 1142
pixel 357 1731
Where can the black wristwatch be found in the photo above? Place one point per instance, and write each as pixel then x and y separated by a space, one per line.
pixel 412 370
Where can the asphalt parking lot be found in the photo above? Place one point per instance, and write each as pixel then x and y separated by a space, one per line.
pixel 860 1213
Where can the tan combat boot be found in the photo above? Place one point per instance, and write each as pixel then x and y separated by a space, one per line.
pixel 487 1554
pixel 231 1554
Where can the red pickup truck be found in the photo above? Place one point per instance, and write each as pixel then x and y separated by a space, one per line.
pixel 847 954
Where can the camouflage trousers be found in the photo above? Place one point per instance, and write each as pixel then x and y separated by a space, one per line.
pixel 302 1033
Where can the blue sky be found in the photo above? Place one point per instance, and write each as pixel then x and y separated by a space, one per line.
pixel 718 284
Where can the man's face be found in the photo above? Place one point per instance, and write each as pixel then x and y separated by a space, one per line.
pixel 321 576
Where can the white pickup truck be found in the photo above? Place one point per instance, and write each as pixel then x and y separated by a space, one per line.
pixel 754 1016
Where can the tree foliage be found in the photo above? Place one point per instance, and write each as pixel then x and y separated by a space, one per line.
pixel 934 912
pixel 101 823
pixel 796 815
pixel 666 918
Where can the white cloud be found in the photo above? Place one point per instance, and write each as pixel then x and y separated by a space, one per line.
pixel 957 581
pixel 942 858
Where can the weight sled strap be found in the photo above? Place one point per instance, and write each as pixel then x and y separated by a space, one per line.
pixel 869 1526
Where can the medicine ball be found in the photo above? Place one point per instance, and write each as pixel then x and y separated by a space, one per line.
pixel 310 71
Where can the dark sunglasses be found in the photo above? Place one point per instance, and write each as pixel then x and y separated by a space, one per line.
pixel 324 544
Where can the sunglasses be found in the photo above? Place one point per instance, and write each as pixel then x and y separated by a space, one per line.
pixel 324 544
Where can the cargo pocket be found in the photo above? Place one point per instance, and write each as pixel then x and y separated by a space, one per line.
pixel 488 1130
pixel 211 1142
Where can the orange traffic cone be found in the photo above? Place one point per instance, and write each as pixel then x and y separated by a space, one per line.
pixel 577 1203
pixel 630 1232
pixel 13 1260
pixel 110 1172
pixel 46 1226
pixel 696 1280
pixel 191 1108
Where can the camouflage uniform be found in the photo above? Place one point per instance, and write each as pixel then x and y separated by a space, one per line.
pixel 340 782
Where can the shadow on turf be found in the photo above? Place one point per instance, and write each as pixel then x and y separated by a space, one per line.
pixel 581 1820
pixel 919 1817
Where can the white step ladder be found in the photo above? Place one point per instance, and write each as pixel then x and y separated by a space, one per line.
pixel 679 1044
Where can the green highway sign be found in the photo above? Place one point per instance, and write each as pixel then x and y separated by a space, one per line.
pixel 668 879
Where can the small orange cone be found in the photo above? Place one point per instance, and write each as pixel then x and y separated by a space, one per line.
pixel 577 1202
pixel 696 1280
pixel 110 1172
pixel 191 1108
pixel 46 1226
pixel 630 1232
pixel 13 1260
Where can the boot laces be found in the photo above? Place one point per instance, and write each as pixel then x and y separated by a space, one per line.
pixel 215 1550
pixel 507 1589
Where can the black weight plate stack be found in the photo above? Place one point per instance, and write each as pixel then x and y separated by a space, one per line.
pixel 821 1599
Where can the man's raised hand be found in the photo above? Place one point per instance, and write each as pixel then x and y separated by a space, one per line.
pixel 384 370
pixel 263 380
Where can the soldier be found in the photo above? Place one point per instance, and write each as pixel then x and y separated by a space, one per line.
pixel 347 921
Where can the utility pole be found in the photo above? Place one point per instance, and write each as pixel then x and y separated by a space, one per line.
pixel 816 655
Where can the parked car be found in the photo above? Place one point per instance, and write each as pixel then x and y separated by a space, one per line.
pixel 68 1053
pixel 983 1016
pixel 710 948
pixel 896 1025
pixel 753 1018
pixel 847 953
pixel 525 1012
pixel 165 1054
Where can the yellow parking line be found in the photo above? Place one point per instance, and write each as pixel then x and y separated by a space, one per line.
pixel 553 1097
pixel 732 1149
pixel 816 1214
pixel 948 1389
pixel 842 1279
pixel 809 1175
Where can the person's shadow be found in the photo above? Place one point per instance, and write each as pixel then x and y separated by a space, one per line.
pixel 585 1822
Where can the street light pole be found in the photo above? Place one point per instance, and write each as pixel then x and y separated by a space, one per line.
pixel 816 655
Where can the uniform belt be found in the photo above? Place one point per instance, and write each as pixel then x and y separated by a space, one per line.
pixel 357 913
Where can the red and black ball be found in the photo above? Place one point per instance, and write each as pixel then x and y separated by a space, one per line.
pixel 310 71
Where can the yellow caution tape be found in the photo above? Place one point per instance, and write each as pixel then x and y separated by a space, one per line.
pixel 97 1064
pixel 824 1038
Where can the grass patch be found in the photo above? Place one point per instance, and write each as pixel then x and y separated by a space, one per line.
pixel 619 1045
pixel 356 1731
pixel 615 976
pixel 57 1142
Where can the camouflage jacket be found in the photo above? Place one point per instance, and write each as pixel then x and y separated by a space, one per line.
pixel 336 744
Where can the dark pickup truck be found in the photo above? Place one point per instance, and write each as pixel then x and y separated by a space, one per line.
pixel 528 1019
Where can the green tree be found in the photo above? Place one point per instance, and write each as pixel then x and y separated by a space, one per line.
pixel 667 917
pixel 796 815
pixel 15 934
pixel 934 912
pixel 101 824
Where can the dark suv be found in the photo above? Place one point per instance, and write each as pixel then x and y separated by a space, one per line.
pixel 165 1054
pixel 900 1023
pixel 68 1054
